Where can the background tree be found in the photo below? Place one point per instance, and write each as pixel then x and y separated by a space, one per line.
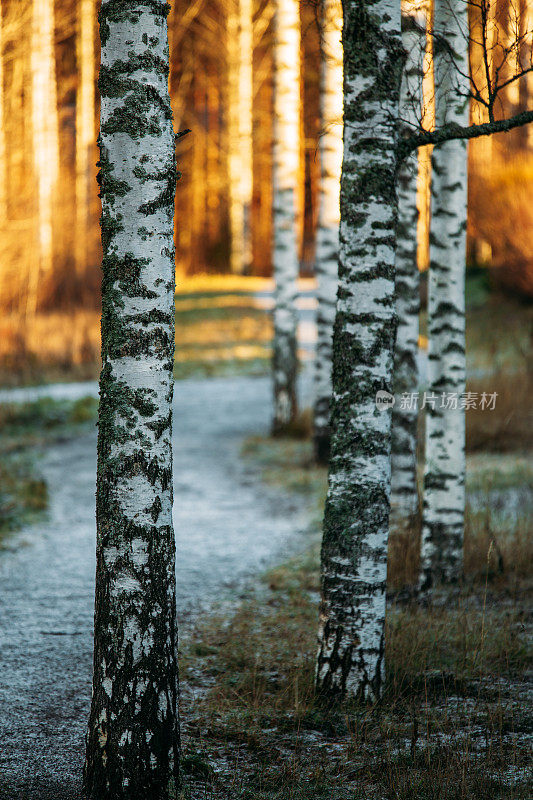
pixel 3 170
pixel 286 158
pixel 444 475
pixel 354 547
pixel 240 160
pixel 404 486
pixel 45 138
pixel 133 736
pixel 327 234
pixel 85 132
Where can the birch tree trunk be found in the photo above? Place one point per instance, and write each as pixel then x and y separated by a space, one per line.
pixel 327 237
pixel 133 736
pixel 84 129
pixel 354 549
pixel 45 138
pixel 404 491
pixel 286 158
pixel 444 476
pixel 240 164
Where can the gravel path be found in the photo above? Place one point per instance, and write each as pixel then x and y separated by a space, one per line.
pixel 229 526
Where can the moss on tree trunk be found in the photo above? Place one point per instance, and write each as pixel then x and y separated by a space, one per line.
pixel 354 549
pixel 133 736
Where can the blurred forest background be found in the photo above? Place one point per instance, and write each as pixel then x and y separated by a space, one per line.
pixel 49 207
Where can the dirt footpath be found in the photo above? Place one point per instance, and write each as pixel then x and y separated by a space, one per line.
pixel 229 527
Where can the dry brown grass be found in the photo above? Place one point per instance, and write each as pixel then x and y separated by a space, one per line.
pixel 506 429
pixel 509 427
pixel 219 328
pixel 447 729
pixel 49 345
pixel 403 558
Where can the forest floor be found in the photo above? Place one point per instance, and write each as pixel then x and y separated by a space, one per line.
pixel 229 528
pixel 455 723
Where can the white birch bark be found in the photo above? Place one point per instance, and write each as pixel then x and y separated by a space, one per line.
pixel 133 735
pixel 286 159
pixel 404 492
pixel 45 138
pixel 240 161
pixel 327 236
pixel 354 549
pixel 444 476
pixel 85 133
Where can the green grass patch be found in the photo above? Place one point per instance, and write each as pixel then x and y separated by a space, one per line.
pixel 25 428
pixel 477 287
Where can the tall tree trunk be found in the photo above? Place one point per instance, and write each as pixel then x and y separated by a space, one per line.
pixel 45 139
pixel 133 736
pixel 3 164
pixel 240 165
pixel 327 237
pixel 286 169
pixel 404 491
pixel 526 62
pixel 444 476
pixel 84 131
pixel 354 548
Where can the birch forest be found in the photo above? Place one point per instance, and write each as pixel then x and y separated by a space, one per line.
pixel 266 282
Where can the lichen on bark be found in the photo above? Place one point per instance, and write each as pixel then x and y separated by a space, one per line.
pixel 133 735
pixel 354 549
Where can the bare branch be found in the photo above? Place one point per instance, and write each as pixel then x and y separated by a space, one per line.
pixel 449 132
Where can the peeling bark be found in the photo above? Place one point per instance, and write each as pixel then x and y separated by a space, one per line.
pixel 404 490
pixel 286 160
pixel 327 237
pixel 133 735
pixel 444 476
pixel 354 548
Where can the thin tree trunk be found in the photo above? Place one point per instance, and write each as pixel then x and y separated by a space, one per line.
pixel 3 163
pixel 444 476
pixel 404 491
pixel 354 549
pixel 286 169
pixel 240 164
pixel 526 62
pixel 327 237
pixel 45 139
pixel 84 130
pixel 133 736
